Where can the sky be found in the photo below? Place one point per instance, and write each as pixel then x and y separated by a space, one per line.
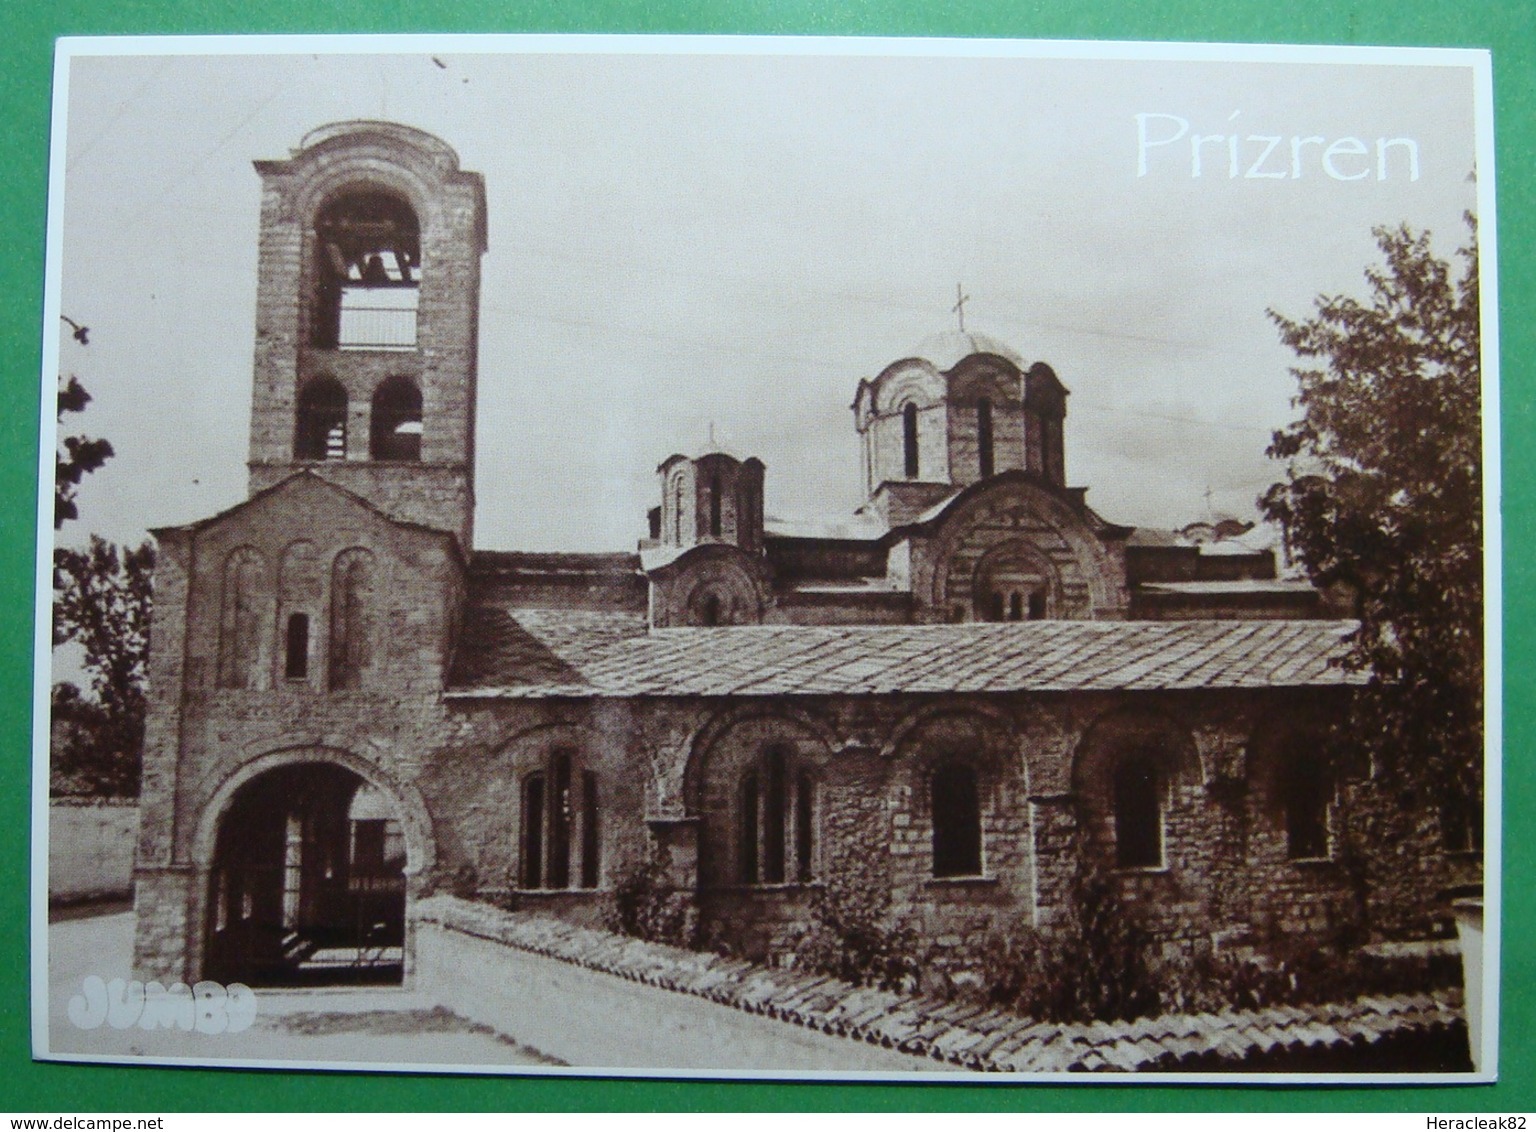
pixel 680 242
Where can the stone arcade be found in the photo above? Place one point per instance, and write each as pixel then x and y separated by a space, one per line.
pixel 958 696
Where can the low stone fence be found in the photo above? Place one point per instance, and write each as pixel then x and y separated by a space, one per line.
pixel 90 849
pixel 600 1000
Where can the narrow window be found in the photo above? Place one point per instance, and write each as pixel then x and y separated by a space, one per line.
pixel 714 506
pixel 805 844
pixel 1306 797
pixel 561 831
pixel 774 813
pixel 560 823
pixel 709 612
pixel 1015 606
pixel 320 432
pixel 533 831
pixel 749 831
pixel 909 439
pixel 984 436
pixel 995 606
pixel 777 836
pixel 1037 606
pixel 296 663
pixel 589 830
pixel 677 511
pixel 956 812
pixel 394 427
pixel 1138 814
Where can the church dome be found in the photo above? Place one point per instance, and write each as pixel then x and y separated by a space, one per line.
pixel 950 348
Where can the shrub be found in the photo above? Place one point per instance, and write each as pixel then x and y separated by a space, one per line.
pixel 850 939
pixel 1295 973
pixel 1095 966
pixel 646 906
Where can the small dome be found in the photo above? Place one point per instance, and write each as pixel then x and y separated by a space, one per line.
pixel 950 348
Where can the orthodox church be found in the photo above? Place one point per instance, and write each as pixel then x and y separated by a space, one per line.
pixel 956 699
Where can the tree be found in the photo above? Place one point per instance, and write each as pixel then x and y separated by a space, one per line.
pixel 80 455
pixel 1383 499
pixel 102 599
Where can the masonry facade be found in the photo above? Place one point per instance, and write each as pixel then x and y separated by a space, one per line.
pixel 958 698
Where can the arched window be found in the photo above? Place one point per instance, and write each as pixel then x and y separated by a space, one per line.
pixel 321 430
pixel 367 252
pixel 709 611
pixel 394 429
pixel 1306 791
pixel 1010 583
pixel 560 836
pixel 909 439
pixel 984 436
pixel 244 613
pixel 677 510
pixel 1138 813
pixel 777 828
pixel 351 616
pixel 955 801
pixel 714 505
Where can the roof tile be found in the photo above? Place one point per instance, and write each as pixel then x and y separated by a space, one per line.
pixel 543 653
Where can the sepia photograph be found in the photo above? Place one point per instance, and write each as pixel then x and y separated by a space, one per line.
pixel 749 557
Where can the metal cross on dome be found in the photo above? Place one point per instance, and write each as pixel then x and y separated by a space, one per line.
pixel 961 298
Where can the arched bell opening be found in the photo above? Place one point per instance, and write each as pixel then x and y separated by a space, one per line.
pixel 368 256
pixel 307 885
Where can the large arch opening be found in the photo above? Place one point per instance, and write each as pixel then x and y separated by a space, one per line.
pixel 307 884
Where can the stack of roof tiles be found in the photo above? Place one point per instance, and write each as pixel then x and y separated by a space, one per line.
pixel 963 1034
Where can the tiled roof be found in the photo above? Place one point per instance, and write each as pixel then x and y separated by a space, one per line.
pixel 541 650
pixel 967 1035
pixel 518 654
pixel 1233 586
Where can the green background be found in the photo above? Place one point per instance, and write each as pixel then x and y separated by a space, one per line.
pixel 30 27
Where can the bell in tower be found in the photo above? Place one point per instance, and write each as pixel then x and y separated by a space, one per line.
pixel 367 315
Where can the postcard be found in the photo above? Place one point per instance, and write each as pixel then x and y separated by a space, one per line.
pixel 736 557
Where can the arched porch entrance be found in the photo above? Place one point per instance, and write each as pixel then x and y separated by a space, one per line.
pixel 307 884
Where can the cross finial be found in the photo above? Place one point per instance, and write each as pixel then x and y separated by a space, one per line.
pixel 961 298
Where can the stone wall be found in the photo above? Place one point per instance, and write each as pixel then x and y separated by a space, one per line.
pixel 90 849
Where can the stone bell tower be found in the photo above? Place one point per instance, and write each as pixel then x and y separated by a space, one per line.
pixel 367 316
